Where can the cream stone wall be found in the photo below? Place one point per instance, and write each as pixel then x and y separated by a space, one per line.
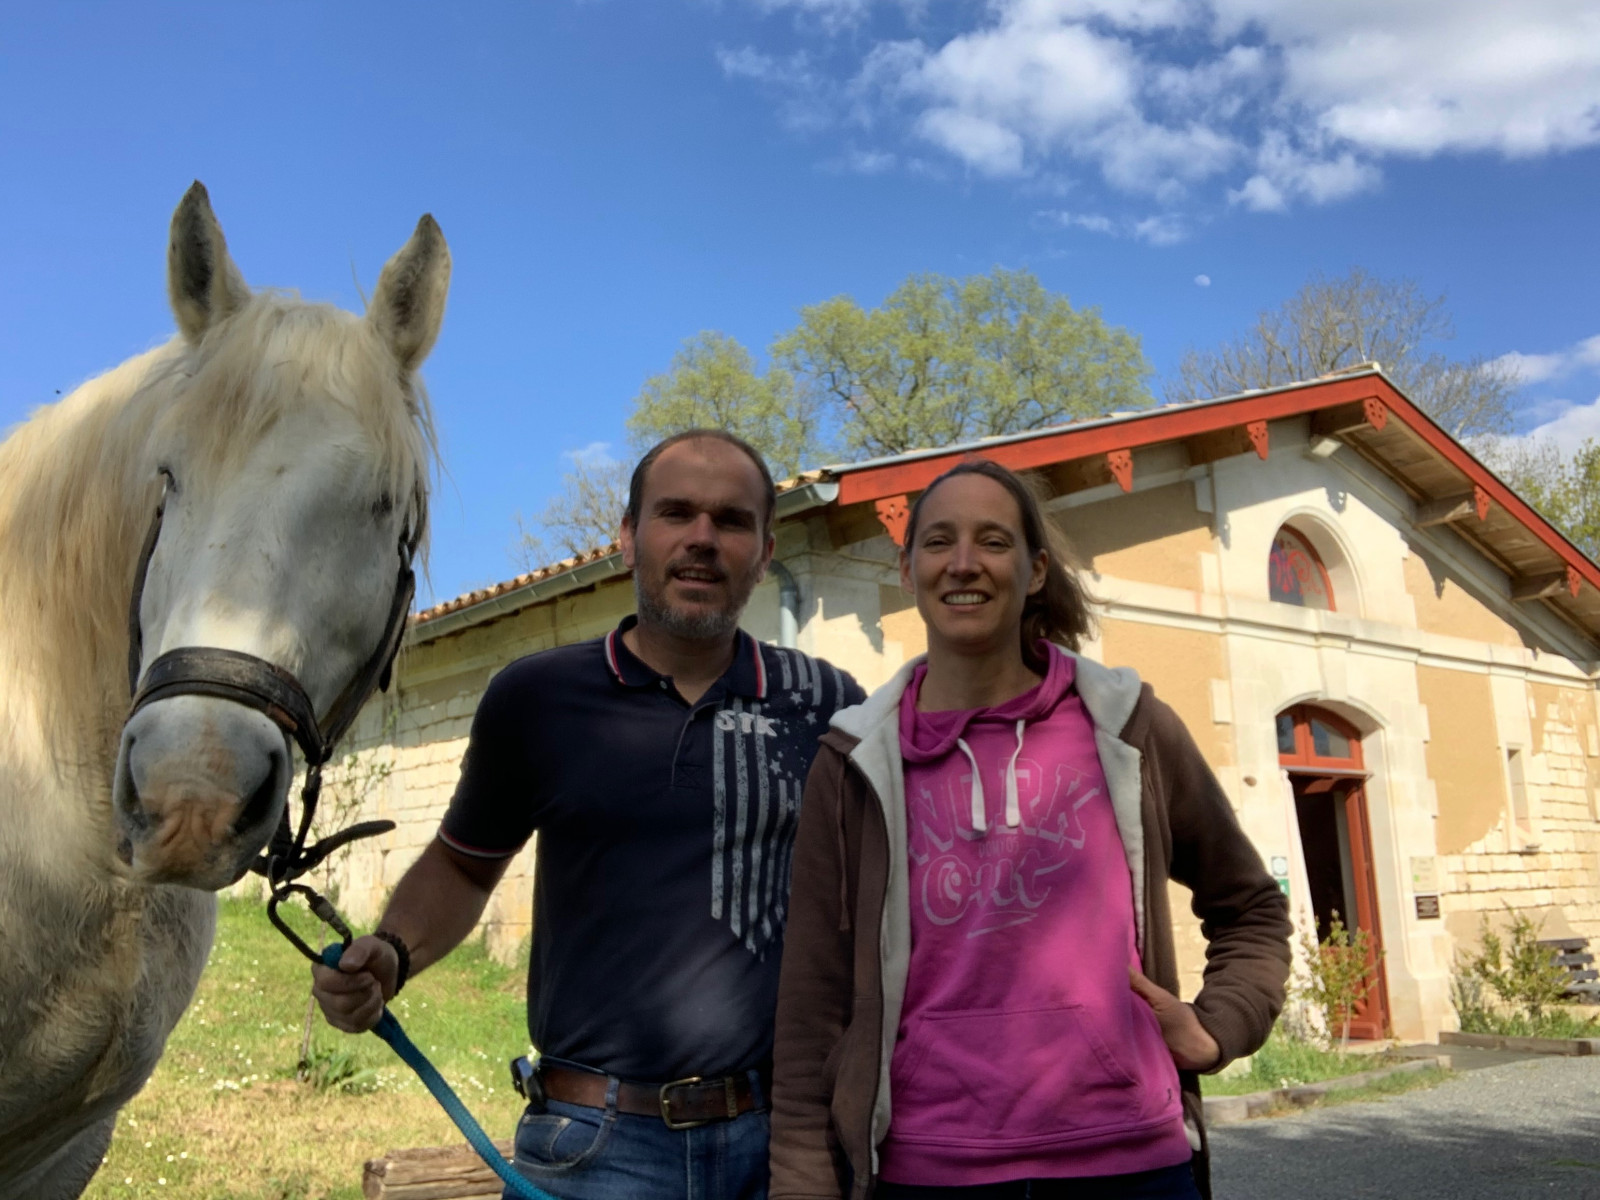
pixel 1444 606
pixel 1554 873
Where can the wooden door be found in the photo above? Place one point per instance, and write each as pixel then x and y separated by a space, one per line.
pixel 1322 755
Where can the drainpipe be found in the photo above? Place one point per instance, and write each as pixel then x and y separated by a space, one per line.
pixel 788 605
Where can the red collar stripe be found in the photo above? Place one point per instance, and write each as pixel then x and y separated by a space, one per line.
pixel 611 656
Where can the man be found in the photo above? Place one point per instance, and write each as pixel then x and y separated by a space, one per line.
pixel 662 767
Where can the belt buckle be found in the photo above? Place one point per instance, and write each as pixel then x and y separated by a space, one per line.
pixel 666 1103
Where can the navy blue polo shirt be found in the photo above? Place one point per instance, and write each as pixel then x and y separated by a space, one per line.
pixel 665 832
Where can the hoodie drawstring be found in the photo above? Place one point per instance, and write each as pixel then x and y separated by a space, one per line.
pixel 980 817
pixel 1013 805
pixel 980 820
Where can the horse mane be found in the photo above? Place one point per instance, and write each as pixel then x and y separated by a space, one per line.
pixel 79 486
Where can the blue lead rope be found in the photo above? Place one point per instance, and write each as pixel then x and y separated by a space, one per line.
pixel 388 1028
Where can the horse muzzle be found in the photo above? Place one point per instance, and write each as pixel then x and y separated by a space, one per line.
pixel 200 785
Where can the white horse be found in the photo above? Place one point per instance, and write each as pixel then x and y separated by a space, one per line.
pixel 292 444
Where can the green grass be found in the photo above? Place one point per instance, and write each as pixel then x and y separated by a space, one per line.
pixel 1390 1085
pixel 1283 1062
pixel 1552 1023
pixel 225 1118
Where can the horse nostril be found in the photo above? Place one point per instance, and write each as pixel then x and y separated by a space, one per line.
pixel 126 793
pixel 259 806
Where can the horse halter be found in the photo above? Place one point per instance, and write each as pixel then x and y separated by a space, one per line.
pixel 274 692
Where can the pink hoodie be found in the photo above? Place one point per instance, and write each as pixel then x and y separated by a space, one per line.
pixel 1022 1051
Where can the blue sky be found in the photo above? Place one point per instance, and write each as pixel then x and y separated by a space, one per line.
pixel 615 176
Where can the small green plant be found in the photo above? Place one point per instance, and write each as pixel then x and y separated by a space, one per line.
pixel 1338 971
pixel 1512 986
pixel 338 1070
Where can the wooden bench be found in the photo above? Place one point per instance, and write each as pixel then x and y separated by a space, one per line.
pixel 432 1173
pixel 1583 981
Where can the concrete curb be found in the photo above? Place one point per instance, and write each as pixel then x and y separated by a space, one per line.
pixel 1527 1045
pixel 1229 1110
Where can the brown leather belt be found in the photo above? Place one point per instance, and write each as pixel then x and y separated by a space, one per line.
pixel 681 1104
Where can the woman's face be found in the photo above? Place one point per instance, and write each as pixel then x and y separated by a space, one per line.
pixel 969 567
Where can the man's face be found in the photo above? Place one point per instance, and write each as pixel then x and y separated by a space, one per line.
pixel 700 546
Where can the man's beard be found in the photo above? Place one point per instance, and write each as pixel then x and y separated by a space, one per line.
pixel 699 625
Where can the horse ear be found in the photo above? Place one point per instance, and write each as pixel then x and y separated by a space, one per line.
pixel 408 304
pixel 202 282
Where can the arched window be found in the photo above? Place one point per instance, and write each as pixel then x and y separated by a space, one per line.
pixel 1312 738
pixel 1295 574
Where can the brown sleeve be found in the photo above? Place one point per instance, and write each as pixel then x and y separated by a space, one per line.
pixel 1243 915
pixel 815 989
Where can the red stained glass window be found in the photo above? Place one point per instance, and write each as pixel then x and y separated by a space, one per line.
pixel 1295 575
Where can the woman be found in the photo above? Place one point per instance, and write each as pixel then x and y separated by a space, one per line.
pixel 980 890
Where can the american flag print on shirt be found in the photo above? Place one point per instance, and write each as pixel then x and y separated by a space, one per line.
pixel 761 751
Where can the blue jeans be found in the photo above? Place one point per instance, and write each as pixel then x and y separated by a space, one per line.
pixel 579 1153
pixel 1165 1183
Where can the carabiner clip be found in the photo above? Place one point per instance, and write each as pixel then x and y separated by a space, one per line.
pixel 320 908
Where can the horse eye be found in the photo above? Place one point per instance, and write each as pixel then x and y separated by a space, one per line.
pixel 383 505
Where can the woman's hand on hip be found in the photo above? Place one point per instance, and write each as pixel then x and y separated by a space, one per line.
pixel 1192 1048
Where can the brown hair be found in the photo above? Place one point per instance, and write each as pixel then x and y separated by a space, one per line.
pixel 640 472
pixel 1057 612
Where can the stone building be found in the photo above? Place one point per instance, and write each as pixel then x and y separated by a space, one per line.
pixel 1388 658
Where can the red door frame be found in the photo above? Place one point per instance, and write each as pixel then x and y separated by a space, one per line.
pixel 1370 1020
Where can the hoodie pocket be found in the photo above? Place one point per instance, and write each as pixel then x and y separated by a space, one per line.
pixel 984 1074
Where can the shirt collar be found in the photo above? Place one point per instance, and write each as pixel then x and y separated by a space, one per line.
pixel 745 676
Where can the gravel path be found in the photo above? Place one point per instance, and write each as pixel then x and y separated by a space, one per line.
pixel 1504 1133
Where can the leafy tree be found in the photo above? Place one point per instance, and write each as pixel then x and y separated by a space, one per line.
pixel 1564 487
pixel 713 383
pixel 1334 324
pixel 586 513
pixel 947 360
pixel 942 360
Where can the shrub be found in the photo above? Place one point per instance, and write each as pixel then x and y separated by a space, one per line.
pixel 1338 970
pixel 1522 976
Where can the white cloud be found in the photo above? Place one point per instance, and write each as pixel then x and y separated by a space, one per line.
pixel 1557 364
pixel 1285 172
pixel 1093 222
pixel 869 162
pixel 1421 77
pixel 1163 229
pixel 1533 368
pixel 977 140
pixel 1576 424
pixel 832 15
pixel 1284 102
pixel 1259 194
pixel 1202 281
pixel 805 96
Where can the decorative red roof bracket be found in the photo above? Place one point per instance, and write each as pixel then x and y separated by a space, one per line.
pixel 1574 580
pixel 893 513
pixel 1120 463
pixel 1480 498
pixel 1258 438
pixel 1376 412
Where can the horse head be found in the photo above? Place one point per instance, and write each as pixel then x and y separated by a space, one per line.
pixel 288 483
